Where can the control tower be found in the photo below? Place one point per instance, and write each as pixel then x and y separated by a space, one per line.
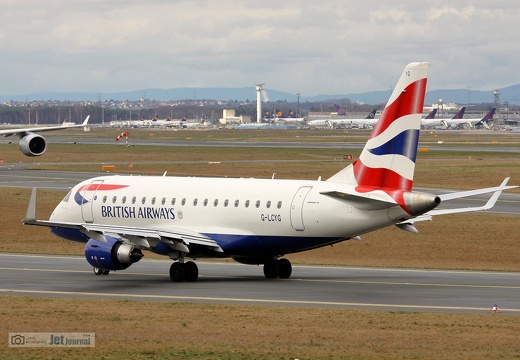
pixel 259 103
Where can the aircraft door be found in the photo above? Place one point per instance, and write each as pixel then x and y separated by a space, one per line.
pixel 88 195
pixel 297 208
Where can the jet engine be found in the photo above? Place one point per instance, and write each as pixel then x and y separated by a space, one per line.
pixel 111 255
pixel 33 144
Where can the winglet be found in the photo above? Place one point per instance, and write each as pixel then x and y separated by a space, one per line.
pixel 86 121
pixel 30 216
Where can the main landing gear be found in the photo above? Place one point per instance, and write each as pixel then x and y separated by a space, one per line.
pixel 187 271
pixel 99 271
pixel 277 268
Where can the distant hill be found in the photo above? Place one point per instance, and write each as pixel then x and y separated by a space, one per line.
pixel 461 96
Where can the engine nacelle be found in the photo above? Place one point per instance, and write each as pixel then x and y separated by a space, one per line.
pixel 419 203
pixel 112 255
pixel 33 145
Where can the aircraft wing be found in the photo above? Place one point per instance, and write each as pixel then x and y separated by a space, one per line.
pixel 497 191
pixel 23 131
pixel 141 237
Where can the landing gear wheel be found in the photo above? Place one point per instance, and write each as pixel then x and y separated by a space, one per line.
pixel 191 271
pixel 284 269
pixel 98 271
pixel 105 272
pixel 177 272
pixel 271 268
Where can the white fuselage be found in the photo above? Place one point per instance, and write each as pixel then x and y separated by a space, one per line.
pixel 342 122
pixel 241 215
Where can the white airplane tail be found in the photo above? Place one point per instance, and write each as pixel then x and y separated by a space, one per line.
pixel 388 158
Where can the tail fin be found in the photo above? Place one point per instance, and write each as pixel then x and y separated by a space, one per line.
pixel 489 115
pixel 460 114
pixel 388 158
pixel 372 114
pixel 485 119
pixel 431 114
pixel 340 110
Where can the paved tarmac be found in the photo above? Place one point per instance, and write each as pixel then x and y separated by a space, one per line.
pixel 230 283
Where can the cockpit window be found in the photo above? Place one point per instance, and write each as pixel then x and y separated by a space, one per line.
pixel 66 198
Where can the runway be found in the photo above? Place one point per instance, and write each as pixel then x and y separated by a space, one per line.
pixel 230 283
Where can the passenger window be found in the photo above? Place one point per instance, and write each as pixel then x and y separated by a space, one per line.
pixel 104 199
pixel 153 200
pixel 215 203
pixel 173 201
pixel 226 202
pixel 183 201
pixel 133 200
pixel 237 202
pixel 123 200
pixel 163 201
pixel 279 205
pixel 247 203
pixel 205 202
pixel 268 204
pixel 114 199
pixel 257 203
pixel 195 201
pixel 143 200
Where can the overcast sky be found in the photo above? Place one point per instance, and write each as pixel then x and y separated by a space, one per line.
pixel 314 47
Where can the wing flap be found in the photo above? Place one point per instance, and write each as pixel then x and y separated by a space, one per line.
pixel 138 236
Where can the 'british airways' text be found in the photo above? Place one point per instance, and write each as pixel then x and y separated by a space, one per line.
pixel 142 212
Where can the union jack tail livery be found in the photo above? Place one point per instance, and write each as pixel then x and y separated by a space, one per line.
pixel 388 159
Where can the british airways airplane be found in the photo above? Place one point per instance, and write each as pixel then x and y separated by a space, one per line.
pixel 257 221
pixel 32 144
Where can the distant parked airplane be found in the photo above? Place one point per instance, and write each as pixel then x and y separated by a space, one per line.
pixel 435 122
pixel 368 121
pixel 33 144
pixel 471 123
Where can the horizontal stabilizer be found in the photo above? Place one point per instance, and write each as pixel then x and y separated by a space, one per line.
pixel 497 191
pixel 490 203
pixel 461 194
